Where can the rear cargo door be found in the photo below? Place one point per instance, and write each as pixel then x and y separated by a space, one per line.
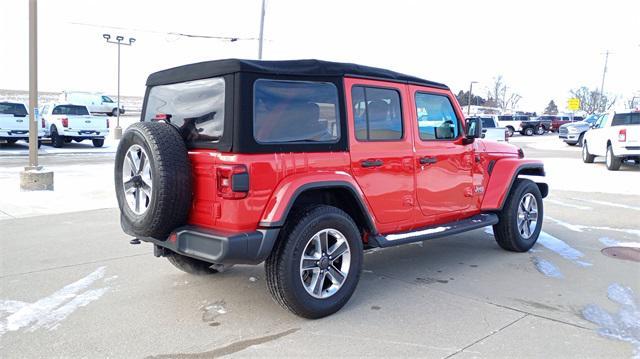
pixel 14 117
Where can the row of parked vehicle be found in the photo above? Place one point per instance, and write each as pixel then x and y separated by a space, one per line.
pixel 60 122
pixel 499 127
pixel 614 135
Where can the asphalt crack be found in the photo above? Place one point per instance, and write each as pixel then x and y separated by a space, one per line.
pixel 486 336
pixel 228 349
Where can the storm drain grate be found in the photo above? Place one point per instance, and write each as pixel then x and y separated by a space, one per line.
pixel 626 253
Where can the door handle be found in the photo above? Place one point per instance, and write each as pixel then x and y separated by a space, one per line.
pixel 371 163
pixel 428 160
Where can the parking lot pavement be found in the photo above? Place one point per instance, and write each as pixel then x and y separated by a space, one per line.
pixel 71 285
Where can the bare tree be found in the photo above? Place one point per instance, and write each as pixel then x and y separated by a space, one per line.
pixel 500 96
pixel 591 101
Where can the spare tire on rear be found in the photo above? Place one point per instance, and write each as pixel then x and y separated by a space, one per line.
pixel 152 180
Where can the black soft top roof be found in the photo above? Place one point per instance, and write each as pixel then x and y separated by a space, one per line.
pixel 312 68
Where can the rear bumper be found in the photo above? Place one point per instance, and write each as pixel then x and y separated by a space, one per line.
pixel 18 135
pixel 218 247
pixel 86 133
pixel 627 150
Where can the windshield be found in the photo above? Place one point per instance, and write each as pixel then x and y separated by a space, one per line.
pixel 72 110
pixel 196 108
pixel 592 119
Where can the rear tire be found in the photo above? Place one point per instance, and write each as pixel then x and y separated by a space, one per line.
pixel 613 163
pixel 528 131
pixel 56 140
pixel 190 265
pixel 540 130
pixel 521 217
pixel 300 291
pixel 98 142
pixel 510 131
pixel 586 156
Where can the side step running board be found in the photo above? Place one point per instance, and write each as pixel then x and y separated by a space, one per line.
pixel 447 229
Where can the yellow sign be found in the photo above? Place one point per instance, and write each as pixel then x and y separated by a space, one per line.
pixel 573 104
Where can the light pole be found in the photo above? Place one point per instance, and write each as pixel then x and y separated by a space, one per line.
pixel 261 31
pixel 34 178
pixel 117 132
pixel 469 101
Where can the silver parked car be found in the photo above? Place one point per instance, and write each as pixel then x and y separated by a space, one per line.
pixel 573 133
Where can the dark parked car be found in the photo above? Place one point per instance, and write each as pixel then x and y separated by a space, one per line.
pixel 538 126
pixel 559 120
pixel 573 133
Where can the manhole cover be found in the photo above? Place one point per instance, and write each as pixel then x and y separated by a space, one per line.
pixel 627 253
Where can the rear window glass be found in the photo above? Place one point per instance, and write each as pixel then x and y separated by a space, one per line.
pixel 620 119
pixel 295 111
pixel 16 109
pixel 196 108
pixel 487 122
pixel 505 118
pixel 72 110
pixel 377 114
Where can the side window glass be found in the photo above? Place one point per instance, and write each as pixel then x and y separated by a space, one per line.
pixel 377 114
pixel 436 118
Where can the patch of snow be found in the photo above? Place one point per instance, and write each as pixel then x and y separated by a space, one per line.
pixel 610 204
pixel 573 227
pixel 547 268
pixel 581 227
pixel 562 249
pixel 50 311
pixel 623 325
pixel 488 230
pixel 567 204
pixel 76 188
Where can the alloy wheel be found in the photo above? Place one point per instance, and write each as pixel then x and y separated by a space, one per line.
pixel 527 215
pixel 325 263
pixel 136 179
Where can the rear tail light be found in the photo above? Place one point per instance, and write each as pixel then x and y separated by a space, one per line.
pixel 162 117
pixel 42 122
pixel 622 135
pixel 233 181
pixel 65 122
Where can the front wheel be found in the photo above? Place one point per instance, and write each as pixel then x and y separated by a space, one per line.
pixel 510 131
pixel 586 156
pixel 521 217
pixel 315 267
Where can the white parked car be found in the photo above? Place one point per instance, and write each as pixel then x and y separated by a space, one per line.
pixel 511 122
pixel 95 102
pixel 615 136
pixel 69 122
pixel 14 123
pixel 491 129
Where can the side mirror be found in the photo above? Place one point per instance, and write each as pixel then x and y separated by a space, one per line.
pixel 474 129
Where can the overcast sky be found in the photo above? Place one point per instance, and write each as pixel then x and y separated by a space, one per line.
pixel 541 48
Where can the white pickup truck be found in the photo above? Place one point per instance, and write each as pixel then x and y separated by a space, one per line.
pixel 14 123
pixel 615 136
pixel 491 130
pixel 67 122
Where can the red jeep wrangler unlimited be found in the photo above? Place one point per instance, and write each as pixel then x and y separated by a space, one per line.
pixel 305 164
